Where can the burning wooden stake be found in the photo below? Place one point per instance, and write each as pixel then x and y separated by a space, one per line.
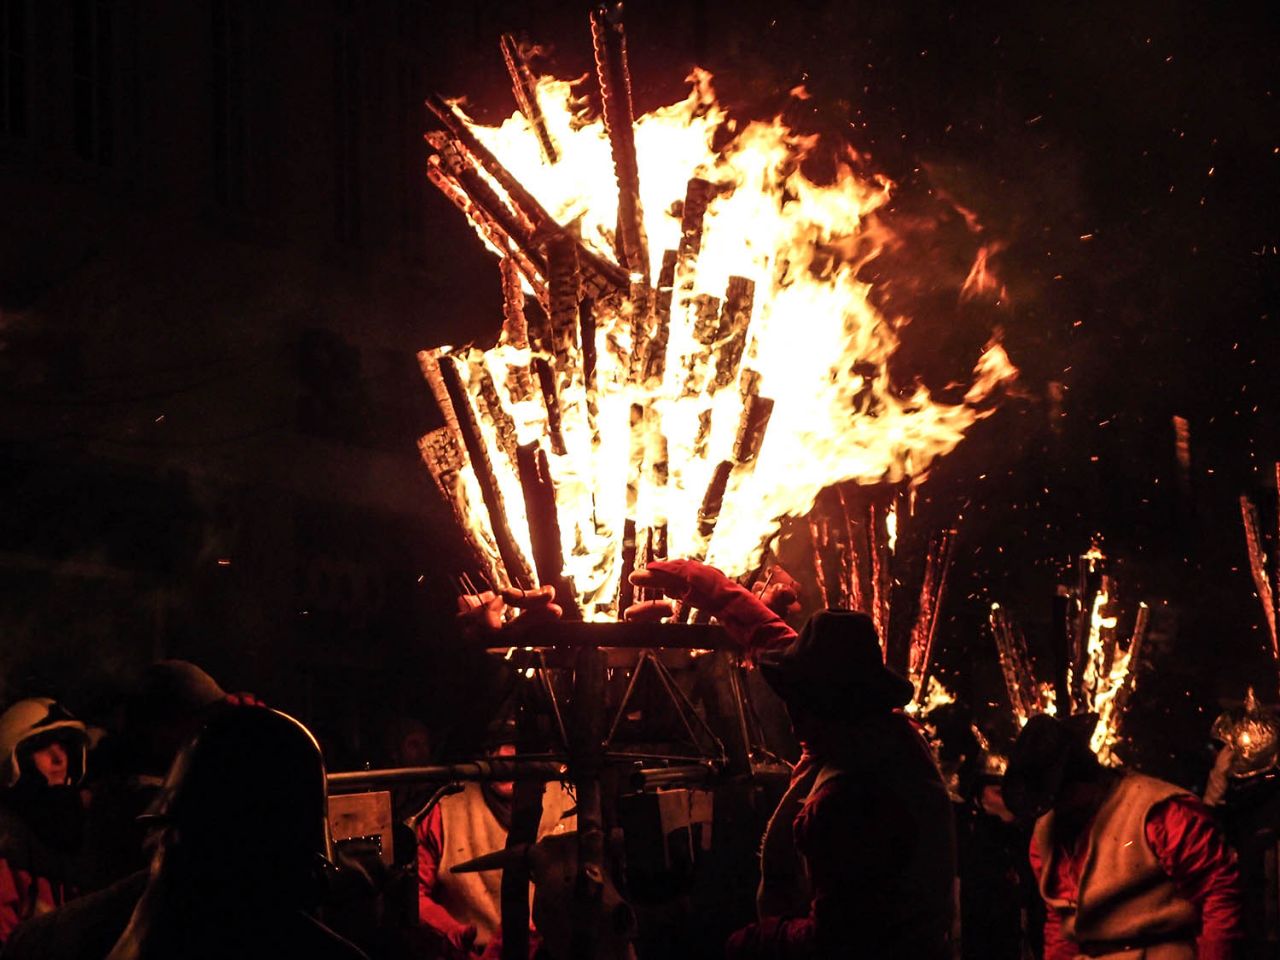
pixel 451 396
pixel 544 524
pixel 850 560
pixel 932 590
pixel 451 172
pixel 1258 566
pixel 1015 665
pixel 551 398
pixel 1137 644
pixel 445 461
pixel 524 219
pixel 650 359
pixel 610 42
pixel 525 88
pixel 565 291
pixel 732 332
pixel 878 535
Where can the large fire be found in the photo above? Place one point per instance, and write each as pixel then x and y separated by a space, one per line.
pixel 697 357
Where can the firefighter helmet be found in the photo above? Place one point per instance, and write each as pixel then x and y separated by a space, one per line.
pixel 30 724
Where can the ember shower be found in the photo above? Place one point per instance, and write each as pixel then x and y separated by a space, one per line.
pixel 687 352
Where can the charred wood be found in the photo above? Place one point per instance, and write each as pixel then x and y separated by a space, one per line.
pixel 451 395
pixel 610 45
pixel 732 334
pixel 551 398
pixel 525 87
pixel 544 524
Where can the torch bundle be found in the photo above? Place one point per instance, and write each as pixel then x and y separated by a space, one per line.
pixel 687 354
pixel 1097 661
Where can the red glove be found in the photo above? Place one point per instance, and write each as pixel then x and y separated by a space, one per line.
pixel 749 622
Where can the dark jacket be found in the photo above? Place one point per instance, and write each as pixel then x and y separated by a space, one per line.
pixel 876 835
pixel 85 929
pixel 40 861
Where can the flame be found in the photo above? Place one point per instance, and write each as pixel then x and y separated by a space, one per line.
pixel 982 278
pixel 815 344
pixel 1103 681
pixel 936 695
pixel 1048 699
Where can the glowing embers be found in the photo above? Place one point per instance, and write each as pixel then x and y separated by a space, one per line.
pixel 697 358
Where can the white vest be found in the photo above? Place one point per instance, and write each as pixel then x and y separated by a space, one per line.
pixel 470 830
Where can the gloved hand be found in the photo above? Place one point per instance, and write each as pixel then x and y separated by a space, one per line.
pixel 465 939
pixel 488 611
pixel 779 591
pixel 749 622
pixel 691 581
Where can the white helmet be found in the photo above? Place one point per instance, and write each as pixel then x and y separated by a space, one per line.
pixel 34 718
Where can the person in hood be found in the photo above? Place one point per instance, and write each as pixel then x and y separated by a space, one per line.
pixel 42 760
pixel 1128 865
pixel 859 857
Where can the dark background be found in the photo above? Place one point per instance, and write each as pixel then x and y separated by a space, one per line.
pixel 219 256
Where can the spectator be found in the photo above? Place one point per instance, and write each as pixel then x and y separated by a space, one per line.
pixel 42 749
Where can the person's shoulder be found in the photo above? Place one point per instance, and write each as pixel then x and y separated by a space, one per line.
pixel 1153 789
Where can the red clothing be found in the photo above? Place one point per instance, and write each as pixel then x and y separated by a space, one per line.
pixel 1190 848
pixel 23 896
pixel 430 853
pixel 35 876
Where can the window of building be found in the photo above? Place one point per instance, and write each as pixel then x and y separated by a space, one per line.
pixel 92 75
pixel 13 68
pixel 230 114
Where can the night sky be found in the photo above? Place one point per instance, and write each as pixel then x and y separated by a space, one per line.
pixel 1125 158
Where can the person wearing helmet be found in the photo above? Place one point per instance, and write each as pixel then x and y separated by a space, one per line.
pixel 42 749
pixel 859 857
pixel 1128 865
pixel 243 849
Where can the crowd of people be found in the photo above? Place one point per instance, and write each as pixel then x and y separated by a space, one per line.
pixel 198 827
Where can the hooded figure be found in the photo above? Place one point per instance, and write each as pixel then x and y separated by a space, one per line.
pixel 42 759
pixel 243 849
pixel 1128 866
pixel 859 857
